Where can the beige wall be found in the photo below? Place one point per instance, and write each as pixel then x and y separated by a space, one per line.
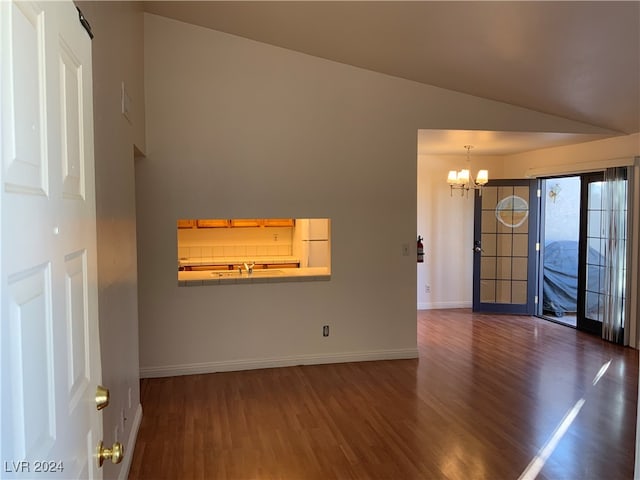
pixel 117 56
pixel 236 128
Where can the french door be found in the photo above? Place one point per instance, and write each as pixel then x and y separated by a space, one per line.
pixel 508 267
pixel 505 252
pixel 584 250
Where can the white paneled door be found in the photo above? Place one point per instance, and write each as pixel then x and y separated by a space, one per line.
pixel 49 339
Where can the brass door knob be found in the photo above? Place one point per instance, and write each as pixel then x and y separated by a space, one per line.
pixel 102 397
pixel 115 453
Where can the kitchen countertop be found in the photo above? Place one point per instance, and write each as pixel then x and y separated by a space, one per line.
pixel 275 275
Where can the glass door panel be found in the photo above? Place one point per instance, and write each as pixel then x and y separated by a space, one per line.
pixel 591 290
pixel 598 285
pixel 560 240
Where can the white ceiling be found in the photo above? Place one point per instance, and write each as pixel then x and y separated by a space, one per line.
pixel 577 60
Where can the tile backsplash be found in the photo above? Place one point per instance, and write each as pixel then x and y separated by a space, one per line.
pixel 247 242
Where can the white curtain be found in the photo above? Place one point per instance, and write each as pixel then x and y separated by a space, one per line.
pixel 615 230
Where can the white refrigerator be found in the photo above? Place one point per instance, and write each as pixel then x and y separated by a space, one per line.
pixel 315 242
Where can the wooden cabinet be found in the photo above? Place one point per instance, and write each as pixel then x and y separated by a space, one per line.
pixel 279 222
pixel 183 223
pixel 236 222
pixel 213 223
pixel 281 265
pixel 262 222
pixel 246 222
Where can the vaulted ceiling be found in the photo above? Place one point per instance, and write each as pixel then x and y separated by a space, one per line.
pixel 577 60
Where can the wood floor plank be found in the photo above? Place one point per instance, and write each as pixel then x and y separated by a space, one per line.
pixel 482 400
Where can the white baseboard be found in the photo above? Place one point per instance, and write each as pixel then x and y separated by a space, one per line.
pixel 443 305
pixel 131 445
pixel 252 364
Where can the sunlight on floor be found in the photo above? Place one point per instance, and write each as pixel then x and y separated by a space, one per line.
pixel 533 469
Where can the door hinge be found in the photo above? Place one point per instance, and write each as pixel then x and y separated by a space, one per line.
pixel 539 193
pixel 537 246
pixel 535 299
pixel 85 23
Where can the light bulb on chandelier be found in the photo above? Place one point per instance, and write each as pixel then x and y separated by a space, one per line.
pixel 463 180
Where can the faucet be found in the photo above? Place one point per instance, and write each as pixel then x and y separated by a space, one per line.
pixel 249 268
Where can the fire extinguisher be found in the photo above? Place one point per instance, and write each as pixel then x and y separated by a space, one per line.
pixel 420 250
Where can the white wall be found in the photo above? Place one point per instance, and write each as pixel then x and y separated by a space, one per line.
pixel 117 56
pixel 517 166
pixel 236 128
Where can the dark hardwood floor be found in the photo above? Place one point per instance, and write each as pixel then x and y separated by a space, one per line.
pixel 482 401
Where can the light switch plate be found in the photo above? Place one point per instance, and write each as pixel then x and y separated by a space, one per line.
pixel 405 249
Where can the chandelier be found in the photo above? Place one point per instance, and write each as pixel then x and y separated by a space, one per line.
pixel 463 181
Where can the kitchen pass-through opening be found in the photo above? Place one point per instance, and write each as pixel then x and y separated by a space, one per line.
pixel 252 250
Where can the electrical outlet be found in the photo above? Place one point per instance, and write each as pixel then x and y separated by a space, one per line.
pixel 405 249
pixel 325 331
pixel 427 289
pixel 275 237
